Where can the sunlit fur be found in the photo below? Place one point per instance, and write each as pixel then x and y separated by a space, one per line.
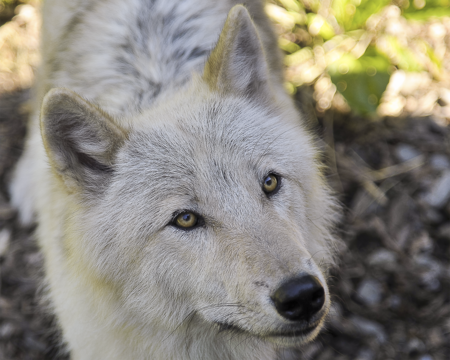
pixel 143 126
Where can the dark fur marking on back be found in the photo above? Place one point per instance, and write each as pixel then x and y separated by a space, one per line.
pixel 197 52
pixel 69 30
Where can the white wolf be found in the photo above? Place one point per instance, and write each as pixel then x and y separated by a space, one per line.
pixel 181 208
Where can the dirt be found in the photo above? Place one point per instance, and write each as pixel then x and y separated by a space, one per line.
pixel 392 289
pixel 26 328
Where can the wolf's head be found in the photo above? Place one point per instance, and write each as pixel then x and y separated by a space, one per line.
pixel 209 206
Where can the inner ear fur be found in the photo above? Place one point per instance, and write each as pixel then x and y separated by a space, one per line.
pixel 238 63
pixel 81 141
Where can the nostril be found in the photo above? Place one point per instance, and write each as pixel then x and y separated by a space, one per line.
pixel 318 298
pixel 299 298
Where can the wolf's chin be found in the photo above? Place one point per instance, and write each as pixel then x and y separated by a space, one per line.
pixel 287 338
pixel 295 338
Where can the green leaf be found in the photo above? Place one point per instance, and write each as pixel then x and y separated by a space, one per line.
pixel 403 57
pixel 422 10
pixel 313 5
pixel 292 5
pixel 318 25
pixel 353 14
pixel 433 57
pixel 298 57
pixel 287 45
pixel 363 80
pixel 365 10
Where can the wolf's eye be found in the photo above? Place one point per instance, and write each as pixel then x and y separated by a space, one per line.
pixel 186 220
pixel 271 184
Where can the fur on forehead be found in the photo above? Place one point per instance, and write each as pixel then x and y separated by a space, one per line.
pixel 203 124
pixel 219 143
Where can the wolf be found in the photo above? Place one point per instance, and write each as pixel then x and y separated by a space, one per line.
pixel 181 207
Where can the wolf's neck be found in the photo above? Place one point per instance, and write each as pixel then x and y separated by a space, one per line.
pixel 189 344
pixel 200 345
pixel 108 333
pixel 144 50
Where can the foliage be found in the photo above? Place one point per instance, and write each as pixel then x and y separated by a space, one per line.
pixel 352 15
pixel 7 8
pixel 424 9
pixel 7 2
pixel 361 80
pixel 357 44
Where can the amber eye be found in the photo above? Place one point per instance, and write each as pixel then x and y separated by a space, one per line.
pixel 271 183
pixel 186 220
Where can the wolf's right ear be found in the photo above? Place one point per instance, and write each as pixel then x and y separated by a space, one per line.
pixel 238 63
pixel 80 140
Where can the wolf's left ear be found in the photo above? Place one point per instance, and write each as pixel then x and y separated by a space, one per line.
pixel 238 62
pixel 80 140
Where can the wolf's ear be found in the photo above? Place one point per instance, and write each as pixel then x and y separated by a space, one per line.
pixel 238 63
pixel 80 140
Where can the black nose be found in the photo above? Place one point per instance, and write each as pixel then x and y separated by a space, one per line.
pixel 299 298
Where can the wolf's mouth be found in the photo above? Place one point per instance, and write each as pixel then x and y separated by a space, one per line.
pixel 229 327
pixel 286 334
pixel 294 333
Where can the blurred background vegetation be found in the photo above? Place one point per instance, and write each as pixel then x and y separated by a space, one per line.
pixel 19 43
pixel 371 57
pixel 7 10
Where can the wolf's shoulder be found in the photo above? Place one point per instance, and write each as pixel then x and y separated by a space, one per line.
pixel 124 54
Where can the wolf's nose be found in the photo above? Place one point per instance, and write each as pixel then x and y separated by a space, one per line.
pixel 299 298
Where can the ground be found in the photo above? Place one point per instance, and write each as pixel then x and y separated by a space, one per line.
pixel 391 290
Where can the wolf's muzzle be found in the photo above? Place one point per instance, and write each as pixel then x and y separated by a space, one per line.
pixel 299 298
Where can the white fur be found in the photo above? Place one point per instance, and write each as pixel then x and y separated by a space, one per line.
pixel 123 282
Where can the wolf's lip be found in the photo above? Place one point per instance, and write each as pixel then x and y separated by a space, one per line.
pixel 294 333
pixel 226 326
pixel 290 333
